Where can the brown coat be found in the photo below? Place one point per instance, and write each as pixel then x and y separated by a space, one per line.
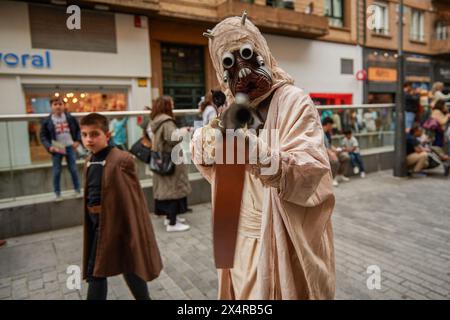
pixel 175 186
pixel 126 242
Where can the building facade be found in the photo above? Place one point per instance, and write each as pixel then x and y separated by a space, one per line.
pixel 426 46
pixel 107 68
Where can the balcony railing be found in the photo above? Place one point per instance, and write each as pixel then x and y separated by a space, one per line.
pixel 146 5
pixel 273 19
pixel 441 44
pixel 277 20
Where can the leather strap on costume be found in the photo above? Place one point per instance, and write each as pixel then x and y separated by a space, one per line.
pixel 94 209
pixel 229 183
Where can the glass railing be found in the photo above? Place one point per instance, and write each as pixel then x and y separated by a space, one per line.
pixel 371 124
pixel 26 166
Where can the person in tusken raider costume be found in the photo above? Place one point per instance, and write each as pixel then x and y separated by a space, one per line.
pixel 284 247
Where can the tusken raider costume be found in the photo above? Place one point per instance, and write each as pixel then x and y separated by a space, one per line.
pixel 284 245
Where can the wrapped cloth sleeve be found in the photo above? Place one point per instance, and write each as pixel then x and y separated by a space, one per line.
pixel 301 156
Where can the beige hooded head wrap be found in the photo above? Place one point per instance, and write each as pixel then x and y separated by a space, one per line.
pixel 229 35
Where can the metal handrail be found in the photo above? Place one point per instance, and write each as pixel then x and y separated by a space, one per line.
pixel 356 106
pixel 177 112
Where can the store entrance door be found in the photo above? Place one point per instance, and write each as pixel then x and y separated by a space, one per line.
pixel 183 74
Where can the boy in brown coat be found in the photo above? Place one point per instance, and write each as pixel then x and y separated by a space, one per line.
pixel 118 234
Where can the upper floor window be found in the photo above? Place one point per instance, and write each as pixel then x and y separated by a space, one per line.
pixel 441 31
pixel 417 25
pixel 334 10
pixel 381 18
pixel 285 4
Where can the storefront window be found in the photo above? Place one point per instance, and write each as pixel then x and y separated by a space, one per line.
pixel 77 100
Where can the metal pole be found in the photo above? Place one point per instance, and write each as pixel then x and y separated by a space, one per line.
pixel 400 138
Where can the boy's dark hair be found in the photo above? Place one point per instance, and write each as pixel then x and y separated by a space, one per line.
pixel 327 120
pixel 95 119
pixel 347 131
pixel 407 84
pixel 218 98
pixel 56 99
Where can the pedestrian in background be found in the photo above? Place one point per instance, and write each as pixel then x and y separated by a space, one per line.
pixel 437 93
pixel 60 135
pixel 411 102
pixel 169 191
pixel 350 145
pixel 208 109
pixel 118 131
pixel 338 158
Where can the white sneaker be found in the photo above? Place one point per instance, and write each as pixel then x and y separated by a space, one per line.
pixel 177 227
pixel 57 198
pixel 335 183
pixel 355 170
pixel 78 194
pixel 342 178
pixel 363 174
pixel 179 219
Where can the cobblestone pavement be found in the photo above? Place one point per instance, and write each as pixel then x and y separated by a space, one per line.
pixel 402 226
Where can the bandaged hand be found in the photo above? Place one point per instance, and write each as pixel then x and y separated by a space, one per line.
pixel 203 144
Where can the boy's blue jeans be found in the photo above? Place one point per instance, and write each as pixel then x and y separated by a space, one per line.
pixel 356 159
pixel 71 163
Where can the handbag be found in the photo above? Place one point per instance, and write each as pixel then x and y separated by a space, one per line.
pixel 141 149
pixel 161 162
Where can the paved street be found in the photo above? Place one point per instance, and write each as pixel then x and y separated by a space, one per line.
pixel 400 225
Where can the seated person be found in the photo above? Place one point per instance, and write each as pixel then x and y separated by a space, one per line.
pixel 350 144
pixel 338 158
pixel 416 154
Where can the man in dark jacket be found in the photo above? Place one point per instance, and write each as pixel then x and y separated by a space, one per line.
pixel 60 135
pixel 411 101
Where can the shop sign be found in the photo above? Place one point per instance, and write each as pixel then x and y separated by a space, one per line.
pixel 142 82
pixel 382 74
pixel 25 60
pixel 444 73
pixel 361 75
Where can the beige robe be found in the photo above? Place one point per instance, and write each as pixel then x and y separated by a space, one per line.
pixel 294 255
